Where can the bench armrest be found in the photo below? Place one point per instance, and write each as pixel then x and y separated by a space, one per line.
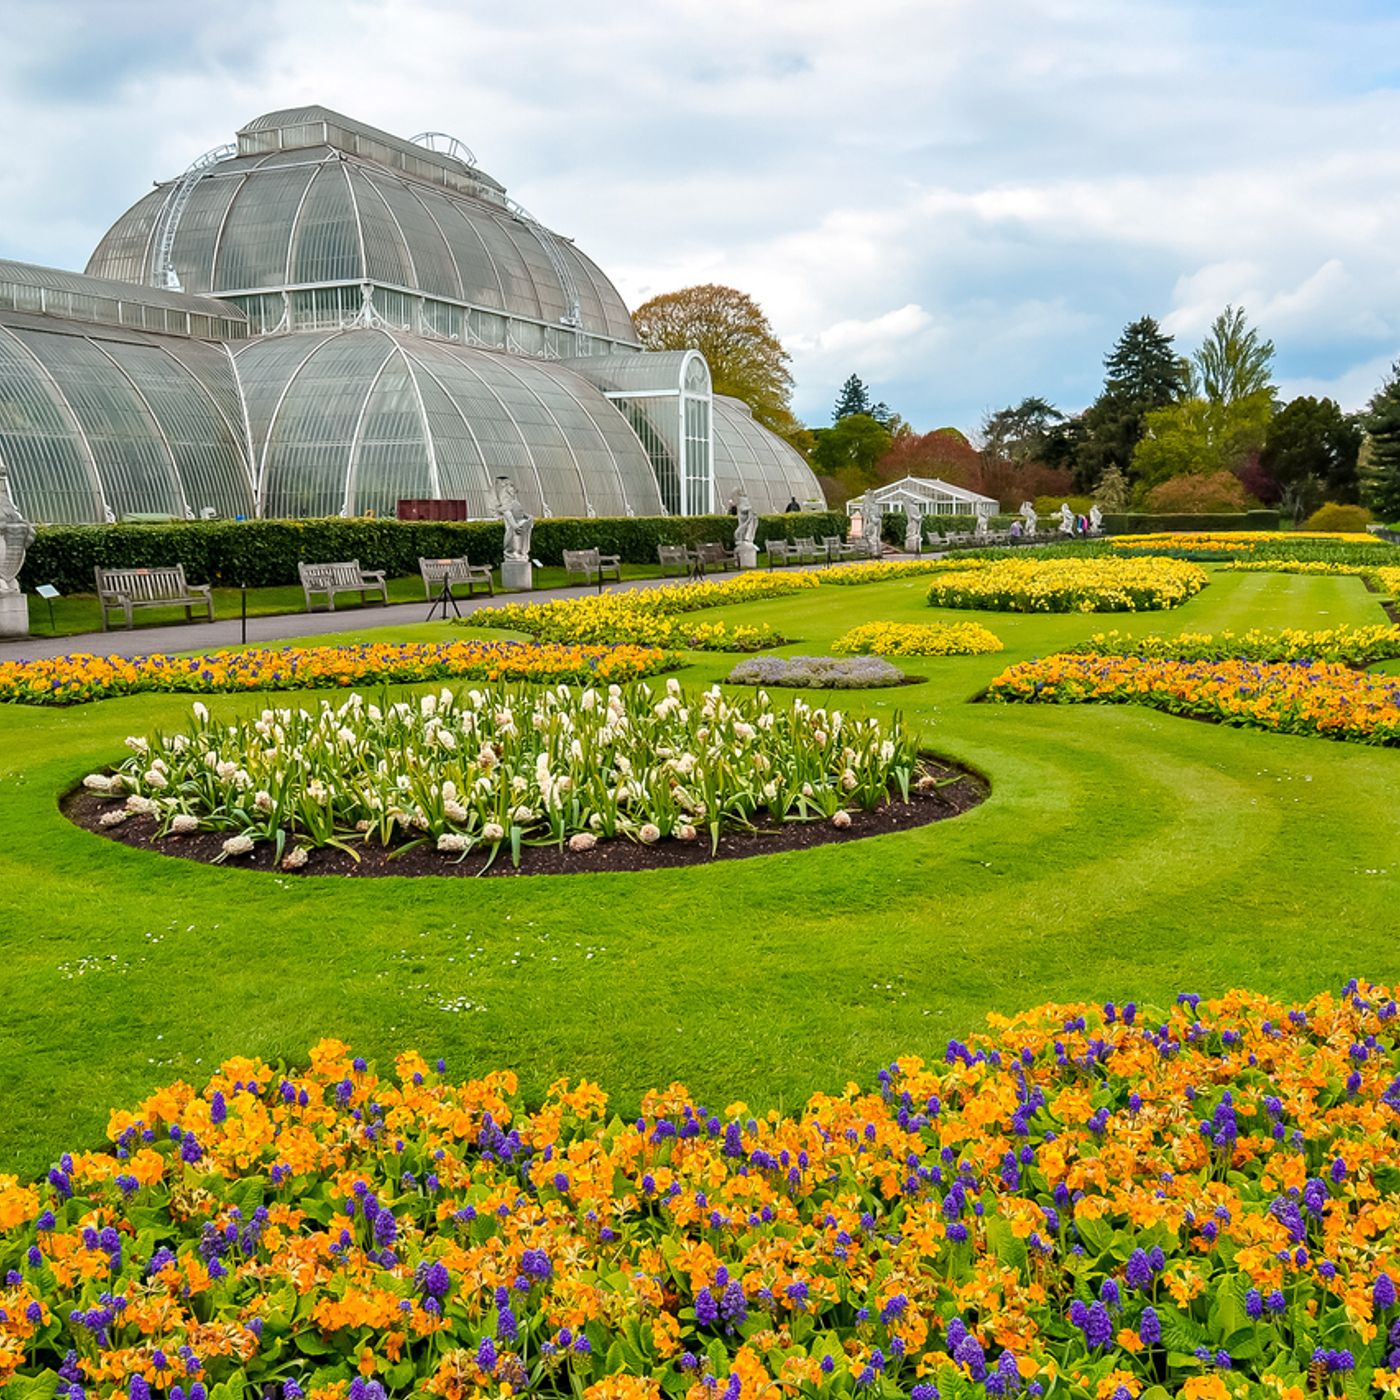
pixel 377 574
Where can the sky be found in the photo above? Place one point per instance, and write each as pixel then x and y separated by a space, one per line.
pixel 961 201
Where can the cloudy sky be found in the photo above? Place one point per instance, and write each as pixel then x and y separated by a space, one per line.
pixel 963 201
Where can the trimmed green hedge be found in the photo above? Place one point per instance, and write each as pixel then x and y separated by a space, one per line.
pixel 264 553
pixel 1134 524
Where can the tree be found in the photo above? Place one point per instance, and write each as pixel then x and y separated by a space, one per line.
pixel 1020 433
pixel 1144 372
pixel 1198 495
pixel 746 359
pixel 944 454
pixel 1200 437
pixel 1233 363
pixel 849 451
pixel 1381 479
pixel 1313 441
pixel 853 398
pixel 1111 494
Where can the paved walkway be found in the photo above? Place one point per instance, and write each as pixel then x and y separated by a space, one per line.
pixel 226 632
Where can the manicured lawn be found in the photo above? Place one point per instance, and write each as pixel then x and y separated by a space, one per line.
pixel 1122 854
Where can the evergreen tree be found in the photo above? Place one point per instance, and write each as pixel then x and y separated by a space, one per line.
pixel 1381 479
pixel 1144 373
pixel 853 398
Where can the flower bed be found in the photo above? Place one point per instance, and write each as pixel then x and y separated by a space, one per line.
pixel 79 678
pixel 492 769
pixel 917 639
pixel 1298 697
pixel 1237 541
pixel 1349 646
pixel 1069 585
pixel 817 672
pixel 650 616
pixel 1089 1202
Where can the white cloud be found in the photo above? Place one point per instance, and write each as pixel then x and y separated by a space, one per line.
pixel 962 203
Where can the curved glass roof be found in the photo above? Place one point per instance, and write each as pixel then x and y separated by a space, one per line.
pixel 354 421
pixel 748 455
pixel 298 207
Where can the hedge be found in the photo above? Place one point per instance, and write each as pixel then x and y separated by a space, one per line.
pixel 1134 524
pixel 893 524
pixel 265 553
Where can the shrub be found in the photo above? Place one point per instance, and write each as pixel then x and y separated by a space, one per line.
pixel 265 553
pixel 1050 505
pixel 1334 518
pixel 1143 523
pixel 1213 491
pixel 817 672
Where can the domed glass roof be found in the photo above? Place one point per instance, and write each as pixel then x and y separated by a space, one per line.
pixel 309 198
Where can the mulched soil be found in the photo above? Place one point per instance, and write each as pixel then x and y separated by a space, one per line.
pixel 962 790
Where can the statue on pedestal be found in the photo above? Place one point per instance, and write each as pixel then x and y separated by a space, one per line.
pixel 518 521
pixel 745 531
pixel 1066 519
pixel 1029 516
pixel 517 572
pixel 913 528
pixel 1095 519
pixel 16 535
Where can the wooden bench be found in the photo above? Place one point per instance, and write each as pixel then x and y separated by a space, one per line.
pixel 345 576
pixel 672 557
pixel 591 566
pixel 713 555
pixel 805 549
pixel 455 572
pixel 780 552
pixel 127 589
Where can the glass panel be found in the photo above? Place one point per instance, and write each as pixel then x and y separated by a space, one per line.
pixel 253 251
pixel 386 257
pixel 391 457
pixel 434 270
pixel 326 245
pixel 50 471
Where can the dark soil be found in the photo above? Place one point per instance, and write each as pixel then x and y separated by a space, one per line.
pixel 960 790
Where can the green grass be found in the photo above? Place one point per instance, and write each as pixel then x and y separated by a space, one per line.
pixel 1122 854
pixel 80 612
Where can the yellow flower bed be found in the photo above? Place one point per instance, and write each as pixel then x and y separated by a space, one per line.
pixel 79 678
pixel 1069 585
pixel 917 639
pixel 1352 646
pixel 1235 540
pixel 1299 697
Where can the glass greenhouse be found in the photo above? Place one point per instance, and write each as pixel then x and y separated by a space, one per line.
pixel 327 319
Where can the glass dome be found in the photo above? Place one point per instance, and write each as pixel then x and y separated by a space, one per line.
pixel 311 208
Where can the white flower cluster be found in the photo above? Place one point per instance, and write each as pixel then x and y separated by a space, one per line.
pixel 514 766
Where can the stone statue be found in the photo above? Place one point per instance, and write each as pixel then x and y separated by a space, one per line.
pixel 981 527
pixel 1066 519
pixel 913 528
pixel 518 521
pixel 16 535
pixel 1095 518
pixel 1029 516
pixel 746 525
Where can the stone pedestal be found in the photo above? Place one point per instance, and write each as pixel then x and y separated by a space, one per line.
pixel 747 555
pixel 517 575
pixel 14 615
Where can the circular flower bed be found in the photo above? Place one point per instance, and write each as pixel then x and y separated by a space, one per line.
pixel 1069 585
pixel 509 768
pixel 78 678
pixel 918 639
pixel 1096 1202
